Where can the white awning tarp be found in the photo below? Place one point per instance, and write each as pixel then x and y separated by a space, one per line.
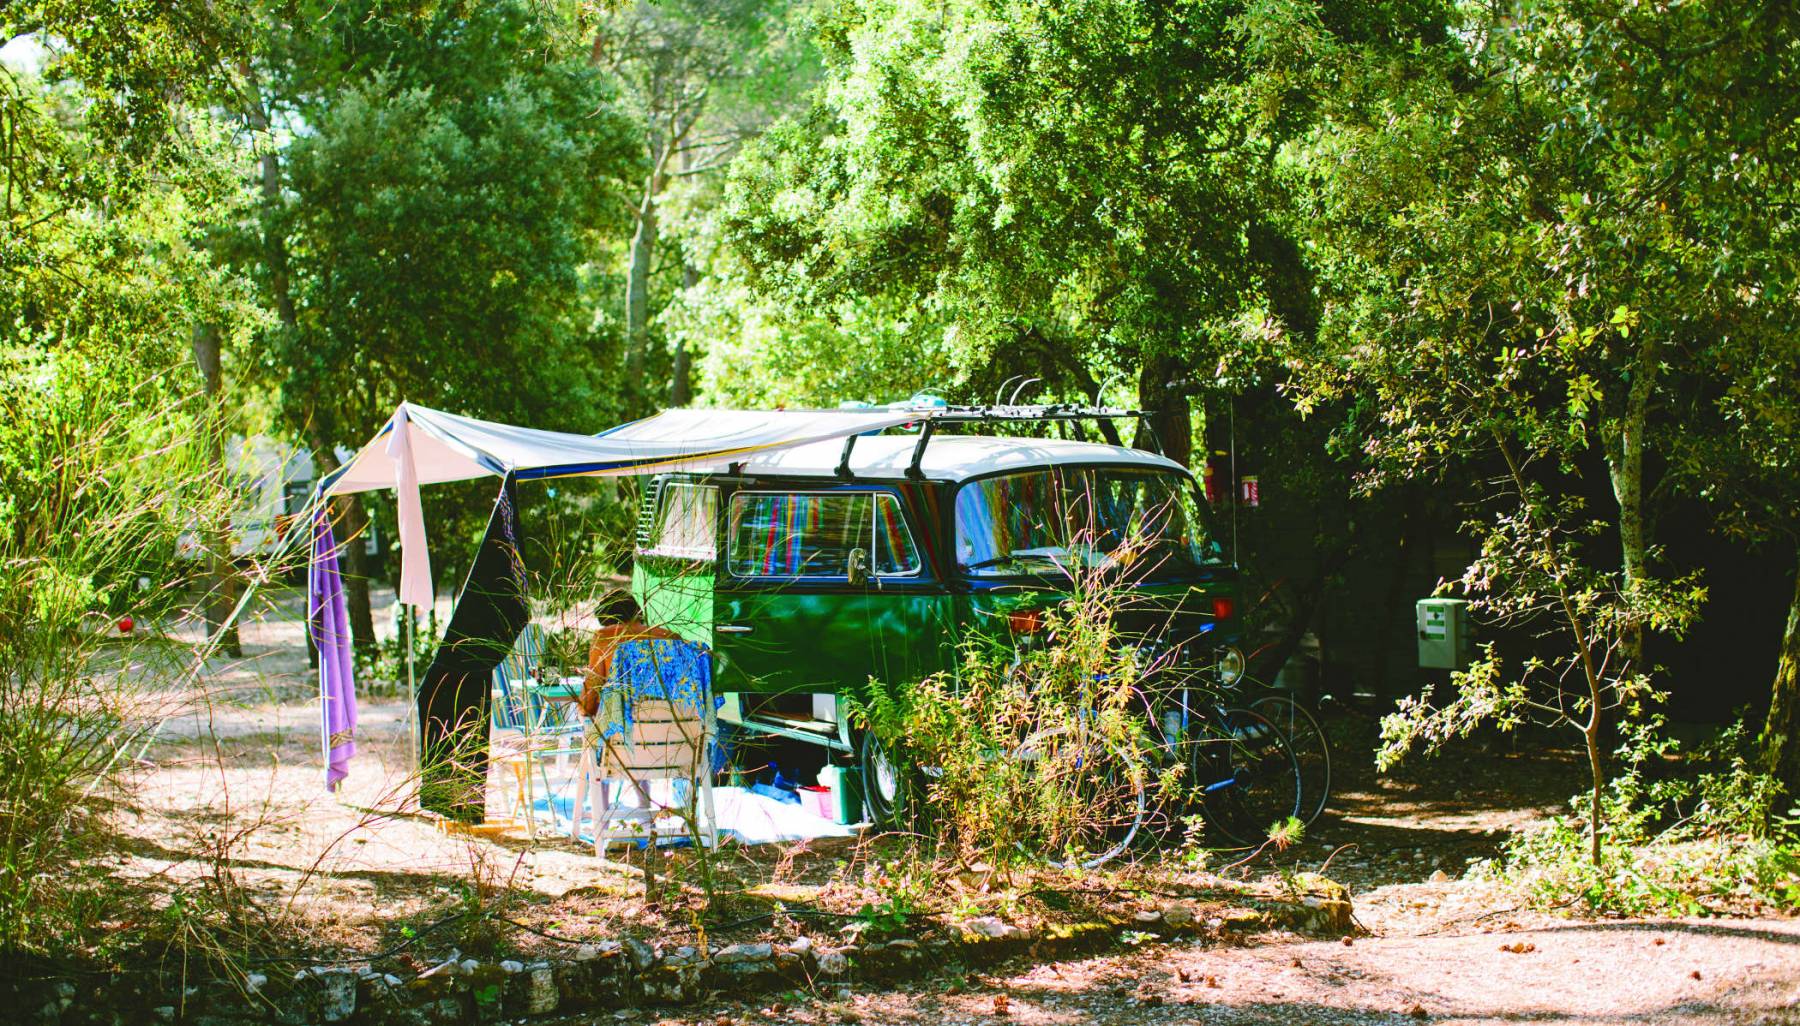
pixel 447 447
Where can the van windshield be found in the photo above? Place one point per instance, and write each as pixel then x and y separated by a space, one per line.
pixel 1061 520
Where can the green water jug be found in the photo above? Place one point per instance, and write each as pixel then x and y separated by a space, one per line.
pixel 846 792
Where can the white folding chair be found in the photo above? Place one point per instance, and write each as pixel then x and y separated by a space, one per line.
pixel 648 772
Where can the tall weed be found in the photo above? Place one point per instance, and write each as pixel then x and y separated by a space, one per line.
pixel 1035 753
pixel 97 480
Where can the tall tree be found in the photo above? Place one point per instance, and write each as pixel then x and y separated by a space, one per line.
pixel 434 184
pixel 1532 237
pixel 700 77
pixel 1099 175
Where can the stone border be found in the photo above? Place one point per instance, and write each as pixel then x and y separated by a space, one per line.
pixel 614 974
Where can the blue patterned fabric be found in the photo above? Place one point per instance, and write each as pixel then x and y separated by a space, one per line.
pixel 654 668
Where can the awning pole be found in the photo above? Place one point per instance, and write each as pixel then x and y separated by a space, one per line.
pixel 411 616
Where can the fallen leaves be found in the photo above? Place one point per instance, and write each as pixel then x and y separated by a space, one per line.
pixel 1002 1005
pixel 1520 948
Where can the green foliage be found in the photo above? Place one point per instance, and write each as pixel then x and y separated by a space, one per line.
pixel 1072 180
pixel 1042 754
pixel 1688 834
pixel 903 887
pixel 445 200
pixel 1526 246
pixel 761 352
pixel 138 66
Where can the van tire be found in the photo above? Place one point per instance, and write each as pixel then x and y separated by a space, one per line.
pixel 888 788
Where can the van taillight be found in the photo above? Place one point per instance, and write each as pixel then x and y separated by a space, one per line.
pixel 1025 621
pixel 1223 607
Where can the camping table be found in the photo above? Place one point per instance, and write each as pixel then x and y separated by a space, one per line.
pixel 555 691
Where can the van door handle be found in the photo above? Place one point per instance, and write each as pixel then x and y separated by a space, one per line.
pixel 733 628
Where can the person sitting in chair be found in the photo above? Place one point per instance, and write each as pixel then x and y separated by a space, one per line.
pixel 624 621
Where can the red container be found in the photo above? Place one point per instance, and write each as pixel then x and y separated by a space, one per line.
pixel 818 800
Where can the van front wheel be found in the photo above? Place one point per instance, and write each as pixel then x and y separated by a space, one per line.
pixel 887 787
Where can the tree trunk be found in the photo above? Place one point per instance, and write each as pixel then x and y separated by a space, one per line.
pixel 1171 424
pixel 1597 771
pixel 274 245
pixel 681 388
pixel 356 581
pixel 637 283
pixel 664 146
pixel 1625 465
pixel 221 589
pixel 1781 731
pixel 355 524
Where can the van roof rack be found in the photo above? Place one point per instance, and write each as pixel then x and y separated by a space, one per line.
pixel 930 416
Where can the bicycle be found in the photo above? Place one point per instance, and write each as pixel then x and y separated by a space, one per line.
pixel 1234 766
pixel 1240 770
pixel 1311 748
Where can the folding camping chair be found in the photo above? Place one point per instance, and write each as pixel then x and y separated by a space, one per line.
pixel 655 726
pixel 524 728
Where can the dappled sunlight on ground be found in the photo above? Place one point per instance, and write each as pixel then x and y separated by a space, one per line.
pixel 233 785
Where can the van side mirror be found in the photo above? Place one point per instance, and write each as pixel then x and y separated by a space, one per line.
pixel 858 569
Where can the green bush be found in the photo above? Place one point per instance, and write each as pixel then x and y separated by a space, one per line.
pixel 1688 834
pixel 1042 754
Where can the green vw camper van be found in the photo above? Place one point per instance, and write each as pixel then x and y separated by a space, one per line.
pixel 812 569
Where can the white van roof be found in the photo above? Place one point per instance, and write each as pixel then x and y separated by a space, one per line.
pixel 947 457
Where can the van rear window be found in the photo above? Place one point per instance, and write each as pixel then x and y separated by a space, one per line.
pixel 811 534
pixel 685 522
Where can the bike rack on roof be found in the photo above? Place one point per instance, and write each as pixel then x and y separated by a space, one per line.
pixel 931 416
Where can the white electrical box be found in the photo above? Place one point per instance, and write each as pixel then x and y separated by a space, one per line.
pixel 1444 637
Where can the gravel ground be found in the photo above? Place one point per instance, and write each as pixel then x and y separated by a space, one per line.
pixel 1597 973
pixel 1438 948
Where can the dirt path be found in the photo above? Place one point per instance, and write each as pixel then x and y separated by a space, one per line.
pixel 1436 948
pixel 1590 973
pixel 1433 950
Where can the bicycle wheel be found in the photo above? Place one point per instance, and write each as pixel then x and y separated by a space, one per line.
pixel 1310 746
pixel 1246 774
pixel 1090 797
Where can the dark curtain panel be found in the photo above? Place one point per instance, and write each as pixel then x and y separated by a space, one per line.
pixel 453 695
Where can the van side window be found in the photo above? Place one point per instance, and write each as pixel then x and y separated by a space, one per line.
pixel 811 534
pixel 685 519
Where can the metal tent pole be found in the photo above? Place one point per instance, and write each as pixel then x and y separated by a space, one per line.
pixel 411 615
